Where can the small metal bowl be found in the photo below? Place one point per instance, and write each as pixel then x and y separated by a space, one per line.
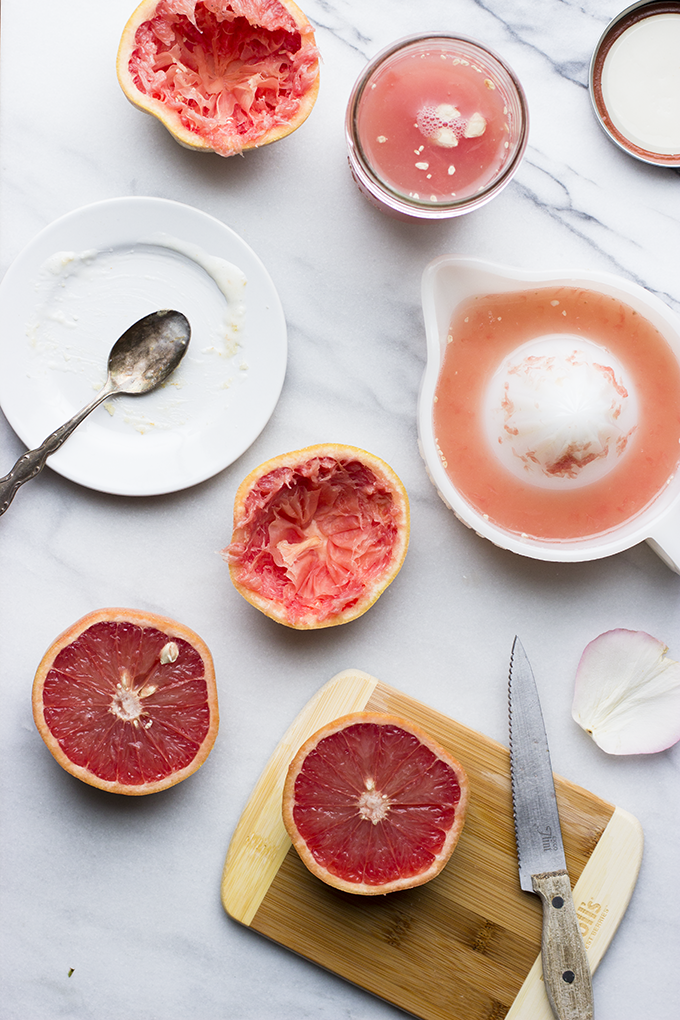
pixel 622 23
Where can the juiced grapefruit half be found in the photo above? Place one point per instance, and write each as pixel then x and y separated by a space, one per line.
pixel 373 804
pixel 221 75
pixel 127 701
pixel 318 535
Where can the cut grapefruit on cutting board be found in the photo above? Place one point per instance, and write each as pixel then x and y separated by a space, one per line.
pixel 465 946
pixel 373 805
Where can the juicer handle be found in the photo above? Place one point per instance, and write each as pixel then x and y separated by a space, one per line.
pixel 665 538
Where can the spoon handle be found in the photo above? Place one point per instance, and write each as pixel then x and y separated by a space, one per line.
pixel 32 462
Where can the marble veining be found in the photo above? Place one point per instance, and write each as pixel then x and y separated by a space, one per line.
pixel 124 896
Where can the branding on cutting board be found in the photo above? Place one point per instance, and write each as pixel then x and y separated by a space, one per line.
pixel 261 846
pixel 590 919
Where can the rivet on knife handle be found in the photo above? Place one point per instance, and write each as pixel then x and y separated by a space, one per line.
pixel 565 967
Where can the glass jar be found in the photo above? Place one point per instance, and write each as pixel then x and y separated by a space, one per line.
pixel 436 126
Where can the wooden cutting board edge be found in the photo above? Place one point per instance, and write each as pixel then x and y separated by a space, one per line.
pixel 260 843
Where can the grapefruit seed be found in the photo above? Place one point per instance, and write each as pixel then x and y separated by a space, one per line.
pixel 318 535
pixel 221 75
pixel 373 804
pixel 127 701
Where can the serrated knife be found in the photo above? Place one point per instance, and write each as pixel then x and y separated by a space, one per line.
pixel 542 865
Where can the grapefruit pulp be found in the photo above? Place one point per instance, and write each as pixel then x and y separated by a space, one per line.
pixel 373 804
pixel 221 75
pixel 318 535
pixel 127 701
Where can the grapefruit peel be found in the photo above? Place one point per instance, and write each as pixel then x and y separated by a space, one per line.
pixel 318 535
pixel 383 817
pixel 126 701
pixel 627 693
pixel 222 76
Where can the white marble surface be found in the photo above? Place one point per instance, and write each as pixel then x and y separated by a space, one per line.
pixel 126 890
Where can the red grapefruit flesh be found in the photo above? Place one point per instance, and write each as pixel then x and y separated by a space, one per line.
pixel 221 75
pixel 127 701
pixel 373 804
pixel 318 535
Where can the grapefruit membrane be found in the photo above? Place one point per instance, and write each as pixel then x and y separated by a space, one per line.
pixel 373 804
pixel 318 535
pixel 221 75
pixel 127 701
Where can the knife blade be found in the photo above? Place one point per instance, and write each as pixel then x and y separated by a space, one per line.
pixel 542 864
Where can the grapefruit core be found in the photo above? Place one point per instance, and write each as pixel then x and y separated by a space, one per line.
pixel 373 804
pixel 127 701
pixel 221 75
pixel 318 535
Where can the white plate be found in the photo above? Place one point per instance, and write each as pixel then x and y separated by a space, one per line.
pixel 59 317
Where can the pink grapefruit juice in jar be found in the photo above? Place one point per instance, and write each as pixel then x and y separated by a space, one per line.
pixel 436 126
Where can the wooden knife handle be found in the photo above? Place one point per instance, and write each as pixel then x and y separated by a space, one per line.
pixel 565 966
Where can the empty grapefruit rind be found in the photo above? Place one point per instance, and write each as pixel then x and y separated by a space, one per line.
pixel 336 565
pixel 171 629
pixel 439 860
pixel 185 62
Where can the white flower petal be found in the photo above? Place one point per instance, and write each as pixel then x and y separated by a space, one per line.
pixel 627 693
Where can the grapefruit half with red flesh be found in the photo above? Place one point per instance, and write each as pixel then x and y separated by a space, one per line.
pixel 373 804
pixel 318 535
pixel 221 75
pixel 127 701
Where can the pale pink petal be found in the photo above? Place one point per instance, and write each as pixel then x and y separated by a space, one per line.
pixel 627 693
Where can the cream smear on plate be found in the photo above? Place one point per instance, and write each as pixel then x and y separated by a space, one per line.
pixel 86 299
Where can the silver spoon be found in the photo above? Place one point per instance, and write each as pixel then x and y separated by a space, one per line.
pixel 140 360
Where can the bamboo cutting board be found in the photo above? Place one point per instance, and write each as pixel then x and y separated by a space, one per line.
pixel 465 946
